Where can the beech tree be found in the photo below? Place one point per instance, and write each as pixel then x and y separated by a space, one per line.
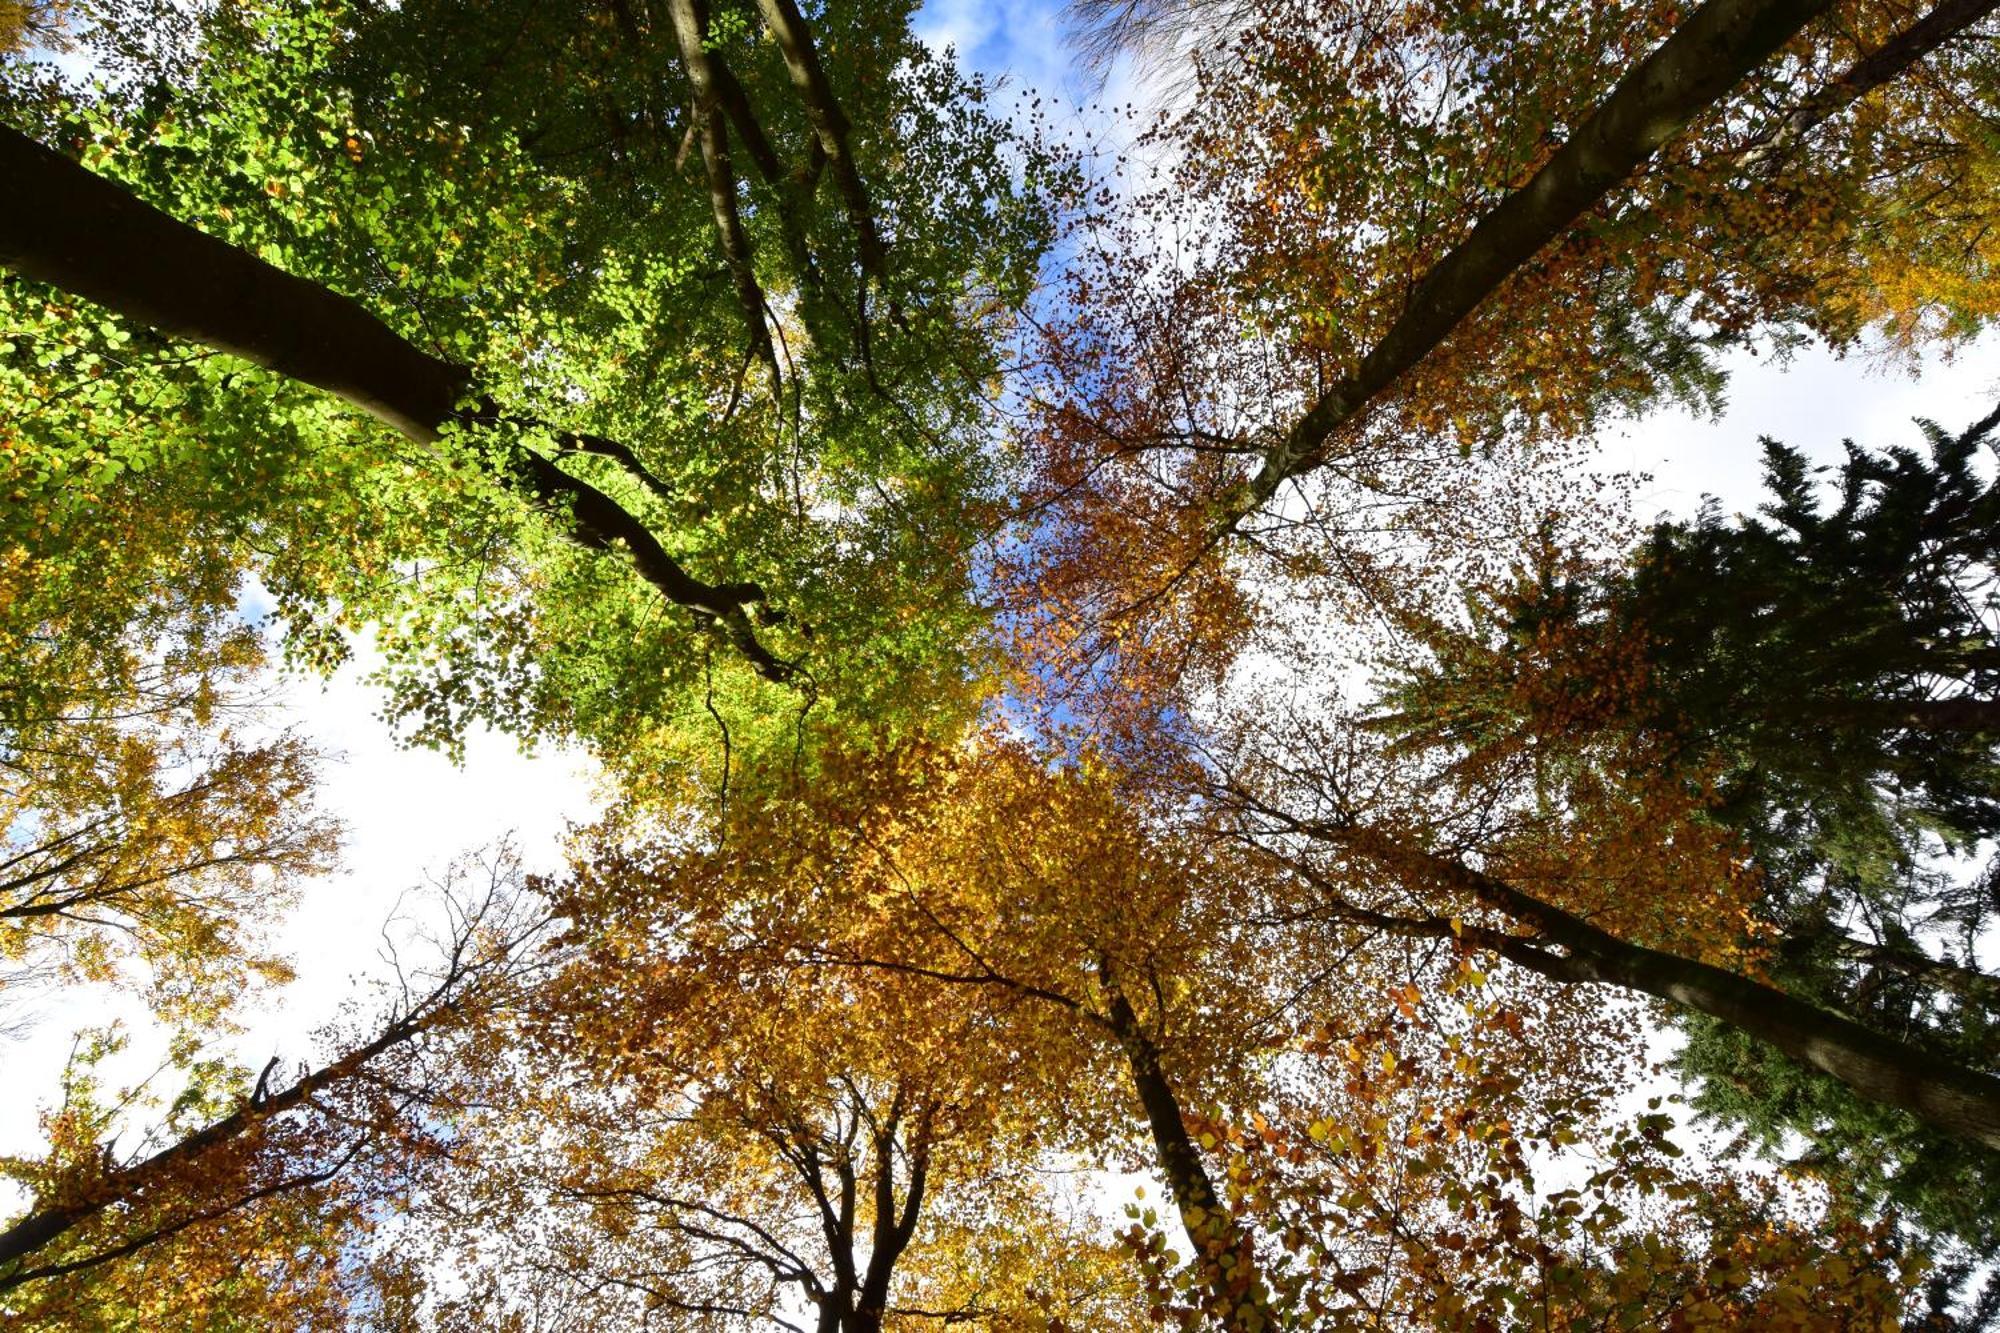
pixel 166 853
pixel 1568 230
pixel 149 834
pixel 1328 1158
pixel 843 445
pixel 268 1177
pixel 674 378
pixel 836 375
pixel 693 1124
pixel 1055 946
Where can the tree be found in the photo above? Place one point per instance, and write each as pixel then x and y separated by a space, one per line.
pixel 162 852
pixel 1813 682
pixel 873 310
pixel 684 337
pixel 1427 274
pixel 695 1124
pixel 1107 973
pixel 1814 659
pixel 331 141
pixel 272 1178
pixel 1023 932
pixel 1751 741
pixel 1411 1171
pixel 142 821
pixel 1617 878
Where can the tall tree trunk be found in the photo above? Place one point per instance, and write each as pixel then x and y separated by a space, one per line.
pixel 690 35
pixel 1706 56
pixel 1210 1227
pixel 1960 1101
pixel 90 237
pixel 829 122
pixel 1886 62
pixel 894 1228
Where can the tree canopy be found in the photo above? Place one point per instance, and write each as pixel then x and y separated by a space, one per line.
pixel 1149 783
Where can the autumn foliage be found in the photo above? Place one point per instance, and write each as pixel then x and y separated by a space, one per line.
pixel 1148 780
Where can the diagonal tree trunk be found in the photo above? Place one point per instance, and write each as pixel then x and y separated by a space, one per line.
pixel 1968 983
pixel 1706 56
pixel 1886 62
pixel 1960 713
pixel 1960 1101
pixel 92 238
pixel 44 1226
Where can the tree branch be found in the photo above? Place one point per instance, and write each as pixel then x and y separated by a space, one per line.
pixel 830 125
pixel 1888 61
pixel 1704 58
pixel 90 237
pixel 690 29
pixel 1961 1101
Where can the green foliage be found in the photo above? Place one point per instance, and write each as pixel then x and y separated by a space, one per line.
pixel 1805 645
pixel 1792 649
pixel 786 370
pixel 505 189
pixel 1822 677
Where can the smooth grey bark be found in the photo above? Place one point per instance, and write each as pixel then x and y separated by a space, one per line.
pixel 1961 1101
pixel 1706 56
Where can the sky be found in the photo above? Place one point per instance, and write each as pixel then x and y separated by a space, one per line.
pixel 408 813
pixel 1813 403
pixel 1021 41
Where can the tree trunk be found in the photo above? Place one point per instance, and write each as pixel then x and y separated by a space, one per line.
pixel 1210 1228
pixel 1706 56
pixel 1878 1068
pixel 1960 713
pixel 893 1227
pixel 690 35
pixel 829 122
pixel 1961 1101
pixel 1888 61
pixel 89 236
